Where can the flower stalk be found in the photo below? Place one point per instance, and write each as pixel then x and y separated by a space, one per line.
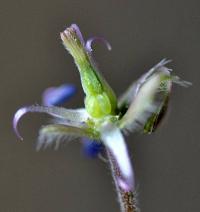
pixel 127 198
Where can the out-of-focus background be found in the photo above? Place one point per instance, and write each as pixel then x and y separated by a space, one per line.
pixel 32 58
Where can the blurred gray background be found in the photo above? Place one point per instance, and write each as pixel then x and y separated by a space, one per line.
pixel 32 58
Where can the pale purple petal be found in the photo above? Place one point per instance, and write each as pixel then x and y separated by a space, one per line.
pixel 70 117
pixel 89 42
pixel 114 141
pixel 16 119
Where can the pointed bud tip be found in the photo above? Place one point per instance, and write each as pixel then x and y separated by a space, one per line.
pixel 72 32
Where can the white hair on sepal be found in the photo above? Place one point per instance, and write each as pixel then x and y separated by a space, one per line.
pixel 138 124
pixel 148 101
pixel 136 198
pixel 53 139
pixel 179 81
pixel 50 140
pixel 58 133
pixel 136 86
pixel 163 62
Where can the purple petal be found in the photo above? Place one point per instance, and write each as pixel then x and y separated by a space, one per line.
pixel 89 42
pixel 58 95
pixel 91 148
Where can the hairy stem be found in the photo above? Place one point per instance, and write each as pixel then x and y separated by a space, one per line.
pixel 127 199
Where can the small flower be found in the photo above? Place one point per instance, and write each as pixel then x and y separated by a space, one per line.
pixel 104 118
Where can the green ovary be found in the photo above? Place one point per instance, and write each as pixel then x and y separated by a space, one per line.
pixel 98 105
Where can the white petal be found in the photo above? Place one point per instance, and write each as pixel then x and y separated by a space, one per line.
pixel 114 141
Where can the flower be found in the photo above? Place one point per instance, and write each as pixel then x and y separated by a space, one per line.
pixel 104 117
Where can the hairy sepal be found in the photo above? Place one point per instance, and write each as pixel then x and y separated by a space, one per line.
pixel 147 102
pixel 55 134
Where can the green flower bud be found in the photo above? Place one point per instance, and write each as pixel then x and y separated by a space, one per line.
pixel 100 99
